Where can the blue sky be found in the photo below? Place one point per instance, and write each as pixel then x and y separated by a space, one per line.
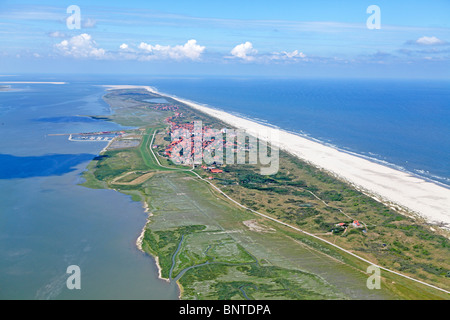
pixel 271 38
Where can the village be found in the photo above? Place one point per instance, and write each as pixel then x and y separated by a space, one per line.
pixel 208 139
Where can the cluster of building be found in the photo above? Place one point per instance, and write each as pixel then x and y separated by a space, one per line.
pixel 355 224
pixel 164 107
pixel 173 126
pixel 170 120
pixel 208 137
pixel 212 169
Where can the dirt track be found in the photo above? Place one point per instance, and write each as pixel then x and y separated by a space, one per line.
pixel 136 181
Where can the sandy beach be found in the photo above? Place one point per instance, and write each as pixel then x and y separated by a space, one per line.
pixel 140 239
pixel 400 190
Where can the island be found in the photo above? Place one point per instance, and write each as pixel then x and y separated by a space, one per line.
pixel 224 231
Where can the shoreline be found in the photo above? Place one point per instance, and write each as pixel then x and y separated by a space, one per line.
pixel 140 240
pixel 397 189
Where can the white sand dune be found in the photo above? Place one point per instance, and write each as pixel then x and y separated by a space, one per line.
pixel 396 188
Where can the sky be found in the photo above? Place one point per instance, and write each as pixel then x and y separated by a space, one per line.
pixel 400 39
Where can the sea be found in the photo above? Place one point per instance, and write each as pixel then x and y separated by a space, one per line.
pixel 49 222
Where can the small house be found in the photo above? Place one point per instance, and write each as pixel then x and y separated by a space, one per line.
pixel 356 224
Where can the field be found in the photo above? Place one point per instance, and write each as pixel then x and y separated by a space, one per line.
pixel 215 249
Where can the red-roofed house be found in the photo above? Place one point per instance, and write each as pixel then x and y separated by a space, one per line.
pixel 356 224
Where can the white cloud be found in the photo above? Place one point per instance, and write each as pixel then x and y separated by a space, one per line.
pixel 124 46
pixel 244 51
pixel 81 46
pixel 190 50
pixel 88 23
pixel 429 41
pixel 57 34
pixel 293 55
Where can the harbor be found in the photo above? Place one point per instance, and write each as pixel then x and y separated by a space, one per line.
pixel 102 136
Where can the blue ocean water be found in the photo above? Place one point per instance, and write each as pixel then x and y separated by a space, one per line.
pixel 400 123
